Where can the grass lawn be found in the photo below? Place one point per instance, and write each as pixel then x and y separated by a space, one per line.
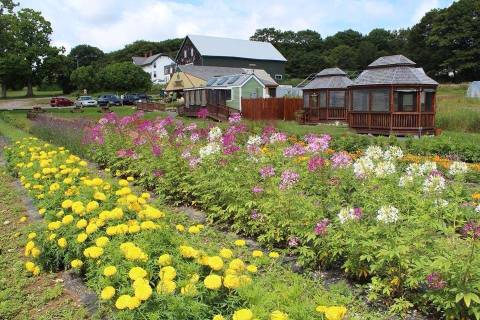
pixel 22 296
pixel 15 94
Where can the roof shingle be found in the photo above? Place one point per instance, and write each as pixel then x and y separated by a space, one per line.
pixel 330 78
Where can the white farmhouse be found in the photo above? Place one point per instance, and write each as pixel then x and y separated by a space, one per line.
pixel 154 65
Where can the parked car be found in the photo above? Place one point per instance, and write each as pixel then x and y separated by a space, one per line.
pixel 60 102
pixel 132 98
pixel 129 99
pixel 109 100
pixel 85 101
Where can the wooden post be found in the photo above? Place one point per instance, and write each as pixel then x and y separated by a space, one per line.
pixel 391 107
pixel 418 107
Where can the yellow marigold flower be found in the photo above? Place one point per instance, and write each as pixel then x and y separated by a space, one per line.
pixel 29 266
pixel 240 243
pixel 36 271
pixel 62 242
pixel 100 196
pixel 37 175
pixel 68 180
pixel 143 291
pixel 226 253
pixel 166 287
pixel 76 264
pixel 91 228
pixel 93 252
pixel 180 228
pixel 42 211
pixel 82 223
pixel 218 317
pixel 55 225
pixel 231 281
pixel 32 235
pixel 278 315
pixel 77 207
pixel 67 219
pixel 273 255
pixel 189 290
pixel 243 314
pixel 23 219
pixel 237 265
pixel 194 278
pixel 257 253
pixel 52 237
pixel 123 302
pixel 188 252
pixel 92 205
pixel 137 273
pixel 67 204
pixel 102 242
pixel 252 268
pixel 107 293
pixel 333 313
pixel 165 260
pixel 109 271
pixel 193 230
pixel 213 282
pixel 35 252
pixel 167 273
pixel 123 183
pixel 130 179
pixel 215 262
pixel 97 182
pixel 145 195
pixel 82 163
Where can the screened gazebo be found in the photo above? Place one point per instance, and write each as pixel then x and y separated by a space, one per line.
pixel 325 98
pixel 393 96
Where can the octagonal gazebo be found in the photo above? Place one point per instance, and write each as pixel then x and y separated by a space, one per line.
pixel 393 96
pixel 325 98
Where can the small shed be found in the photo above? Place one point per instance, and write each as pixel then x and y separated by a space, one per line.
pixel 326 97
pixel 223 95
pixel 393 96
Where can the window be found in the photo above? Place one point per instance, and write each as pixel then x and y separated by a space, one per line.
pixel 185 53
pixel 322 99
pixel 313 101
pixel 360 100
pixel 278 77
pixel 405 100
pixel 197 97
pixel 337 99
pixel 155 74
pixel 381 100
pixel 155 65
pixel 191 52
pixel 204 98
pixel 306 100
pixel 426 100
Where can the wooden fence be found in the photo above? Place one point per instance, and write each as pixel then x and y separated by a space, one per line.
pixel 271 108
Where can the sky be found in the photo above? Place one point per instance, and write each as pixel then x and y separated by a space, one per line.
pixel 110 24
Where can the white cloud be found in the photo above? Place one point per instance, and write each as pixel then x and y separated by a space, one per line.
pixel 110 24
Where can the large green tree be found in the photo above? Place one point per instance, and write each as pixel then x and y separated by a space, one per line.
pixel 8 58
pixel 125 76
pixel 85 78
pixel 85 55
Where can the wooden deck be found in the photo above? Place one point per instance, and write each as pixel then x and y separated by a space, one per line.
pixel 399 123
pixel 316 115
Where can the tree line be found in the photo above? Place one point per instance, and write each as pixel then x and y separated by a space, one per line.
pixel 446 43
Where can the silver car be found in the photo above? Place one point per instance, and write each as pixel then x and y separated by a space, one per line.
pixel 85 101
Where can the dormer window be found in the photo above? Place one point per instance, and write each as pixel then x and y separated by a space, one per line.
pixel 185 53
pixel 191 52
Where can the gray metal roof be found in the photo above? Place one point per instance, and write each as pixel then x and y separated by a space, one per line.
pixel 233 80
pixel 331 78
pixel 395 60
pixel 226 47
pixel 331 72
pixel 143 61
pixel 394 75
pixel 207 72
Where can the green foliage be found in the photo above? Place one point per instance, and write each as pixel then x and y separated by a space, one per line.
pixel 85 55
pixel 125 76
pixel 86 78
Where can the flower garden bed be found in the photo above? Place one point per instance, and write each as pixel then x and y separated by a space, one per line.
pixel 147 263
pixel 396 223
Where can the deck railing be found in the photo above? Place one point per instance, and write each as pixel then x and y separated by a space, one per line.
pixel 397 121
pixel 325 114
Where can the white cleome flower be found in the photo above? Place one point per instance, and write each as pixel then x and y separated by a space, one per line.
pixel 363 166
pixel 392 153
pixel 214 134
pixel 208 150
pixel 384 168
pixel 434 183
pixel 404 180
pixel 477 209
pixel 442 203
pixel 374 152
pixel 254 140
pixel 387 214
pixel 457 167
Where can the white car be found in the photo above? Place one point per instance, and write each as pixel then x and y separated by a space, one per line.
pixel 85 101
